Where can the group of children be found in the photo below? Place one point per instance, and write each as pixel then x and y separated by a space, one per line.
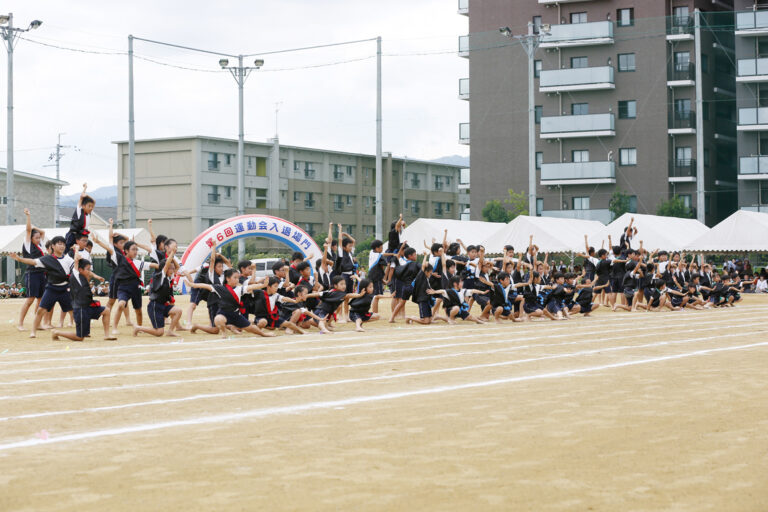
pixel 445 284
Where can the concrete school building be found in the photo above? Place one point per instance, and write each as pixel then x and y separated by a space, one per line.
pixel 187 184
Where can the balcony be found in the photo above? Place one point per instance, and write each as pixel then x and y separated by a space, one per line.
pixel 464 179
pixel 752 70
pixel 680 28
pixel 463 133
pixel 464 7
pixel 682 170
pixel 464 46
pixel 682 122
pixel 761 208
pixel 601 215
pixel 573 127
pixel 753 119
pixel 464 88
pixel 681 75
pixel 578 173
pixel 753 168
pixel 578 34
pixel 752 23
pixel 576 79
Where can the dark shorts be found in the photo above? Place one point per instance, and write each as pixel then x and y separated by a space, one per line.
pixel 34 282
pixel 322 313
pixel 194 296
pixel 506 310
pixel 601 282
pixel 350 283
pixel 271 324
pixel 554 307
pixel 482 300
pixel 629 294
pixel 83 317
pixel 616 285
pixel 54 294
pixel 112 286
pixel 158 312
pixel 236 319
pixel 355 316
pixel 403 290
pixel 529 307
pixel 378 287
pixel 590 274
pixel 212 310
pixel 425 309
pixel 586 307
pixel 129 293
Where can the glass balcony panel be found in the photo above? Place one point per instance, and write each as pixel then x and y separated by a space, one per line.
pixel 578 31
pixel 464 46
pixel 577 76
pixel 463 6
pixel 753 165
pixel 584 123
pixel 578 171
pixel 464 132
pixel 752 67
pixel 464 87
pixel 753 115
pixel 682 168
pixel 751 20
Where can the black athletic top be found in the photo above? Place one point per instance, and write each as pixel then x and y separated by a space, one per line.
pixel 80 289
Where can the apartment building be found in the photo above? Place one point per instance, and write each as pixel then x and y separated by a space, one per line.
pixel 186 184
pixel 751 53
pixel 630 95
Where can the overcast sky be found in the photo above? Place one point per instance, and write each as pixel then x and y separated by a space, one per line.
pixel 85 95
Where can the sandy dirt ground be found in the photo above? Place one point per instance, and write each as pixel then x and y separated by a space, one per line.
pixel 615 412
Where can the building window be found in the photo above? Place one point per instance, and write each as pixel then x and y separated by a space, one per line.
pixel 213 161
pixel 369 177
pixel 581 203
pixel 415 180
pixel 580 155
pixel 683 109
pixel 579 62
pixel 539 159
pixel 338 173
pixel 309 200
pixel 538 111
pixel 338 203
pixel 682 61
pixel 680 16
pixel 227 159
pixel 763 193
pixel 296 197
pixel 213 196
pixel 626 62
pixel 539 206
pixel 228 192
pixel 579 109
pixel 309 170
pixel 536 24
pixel 438 182
pixel 683 156
pixel 686 200
pixel 628 109
pixel 628 156
pixel 632 204
pixel 625 17
pixel 536 68
pixel 578 17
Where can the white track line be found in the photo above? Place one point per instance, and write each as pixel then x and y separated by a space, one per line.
pixel 410 339
pixel 112 348
pixel 219 378
pixel 311 358
pixel 293 409
pixel 229 394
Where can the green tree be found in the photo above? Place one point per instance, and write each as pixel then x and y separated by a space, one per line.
pixel 619 204
pixel 675 207
pixel 519 203
pixel 494 211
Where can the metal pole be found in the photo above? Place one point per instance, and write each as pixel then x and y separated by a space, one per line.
pixel 379 209
pixel 240 159
pixel 58 176
pixel 701 209
pixel 131 143
pixel 530 50
pixel 405 164
pixel 9 195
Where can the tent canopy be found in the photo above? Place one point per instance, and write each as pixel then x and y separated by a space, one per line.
pixel 742 231
pixel 424 230
pixel 666 233
pixel 550 234
pixel 12 237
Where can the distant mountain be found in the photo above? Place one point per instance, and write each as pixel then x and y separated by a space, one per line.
pixel 453 160
pixel 104 196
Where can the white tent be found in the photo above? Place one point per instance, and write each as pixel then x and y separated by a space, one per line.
pixel 12 237
pixel 550 234
pixel 666 233
pixel 424 230
pixel 742 231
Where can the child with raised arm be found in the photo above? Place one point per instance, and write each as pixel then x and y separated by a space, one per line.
pixel 329 302
pixel 34 277
pixel 266 313
pixel 85 308
pixel 81 219
pixel 364 305
pixel 422 295
pixel 162 304
pixel 455 301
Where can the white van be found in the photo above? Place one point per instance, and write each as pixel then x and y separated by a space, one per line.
pixel 264 266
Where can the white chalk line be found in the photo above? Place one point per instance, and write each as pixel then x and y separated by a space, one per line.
pixel 297 408
pixel 415 337
pixel 319 357
pixel 581 322
pixel 219 378
pixel 229 394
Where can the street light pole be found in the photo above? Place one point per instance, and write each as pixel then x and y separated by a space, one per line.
pixel 379 179
pixel 240 73
pixel 530 43
pixel 131 145
pixel 9 35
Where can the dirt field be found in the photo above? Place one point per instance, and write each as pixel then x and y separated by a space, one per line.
pixel 617 412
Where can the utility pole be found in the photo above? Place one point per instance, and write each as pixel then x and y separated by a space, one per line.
pixel 530 43
pixel 131 145
pixel 10 35
pixel 57 156
pixel 379 196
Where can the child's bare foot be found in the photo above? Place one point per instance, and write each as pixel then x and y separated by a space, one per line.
pixel 32 335
pixel 135 330
pixel 110 338
pixel 359 329
pixel 54 336
pixel 193 330
pixel 46 327
pixel 171 333
pixel 20 328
